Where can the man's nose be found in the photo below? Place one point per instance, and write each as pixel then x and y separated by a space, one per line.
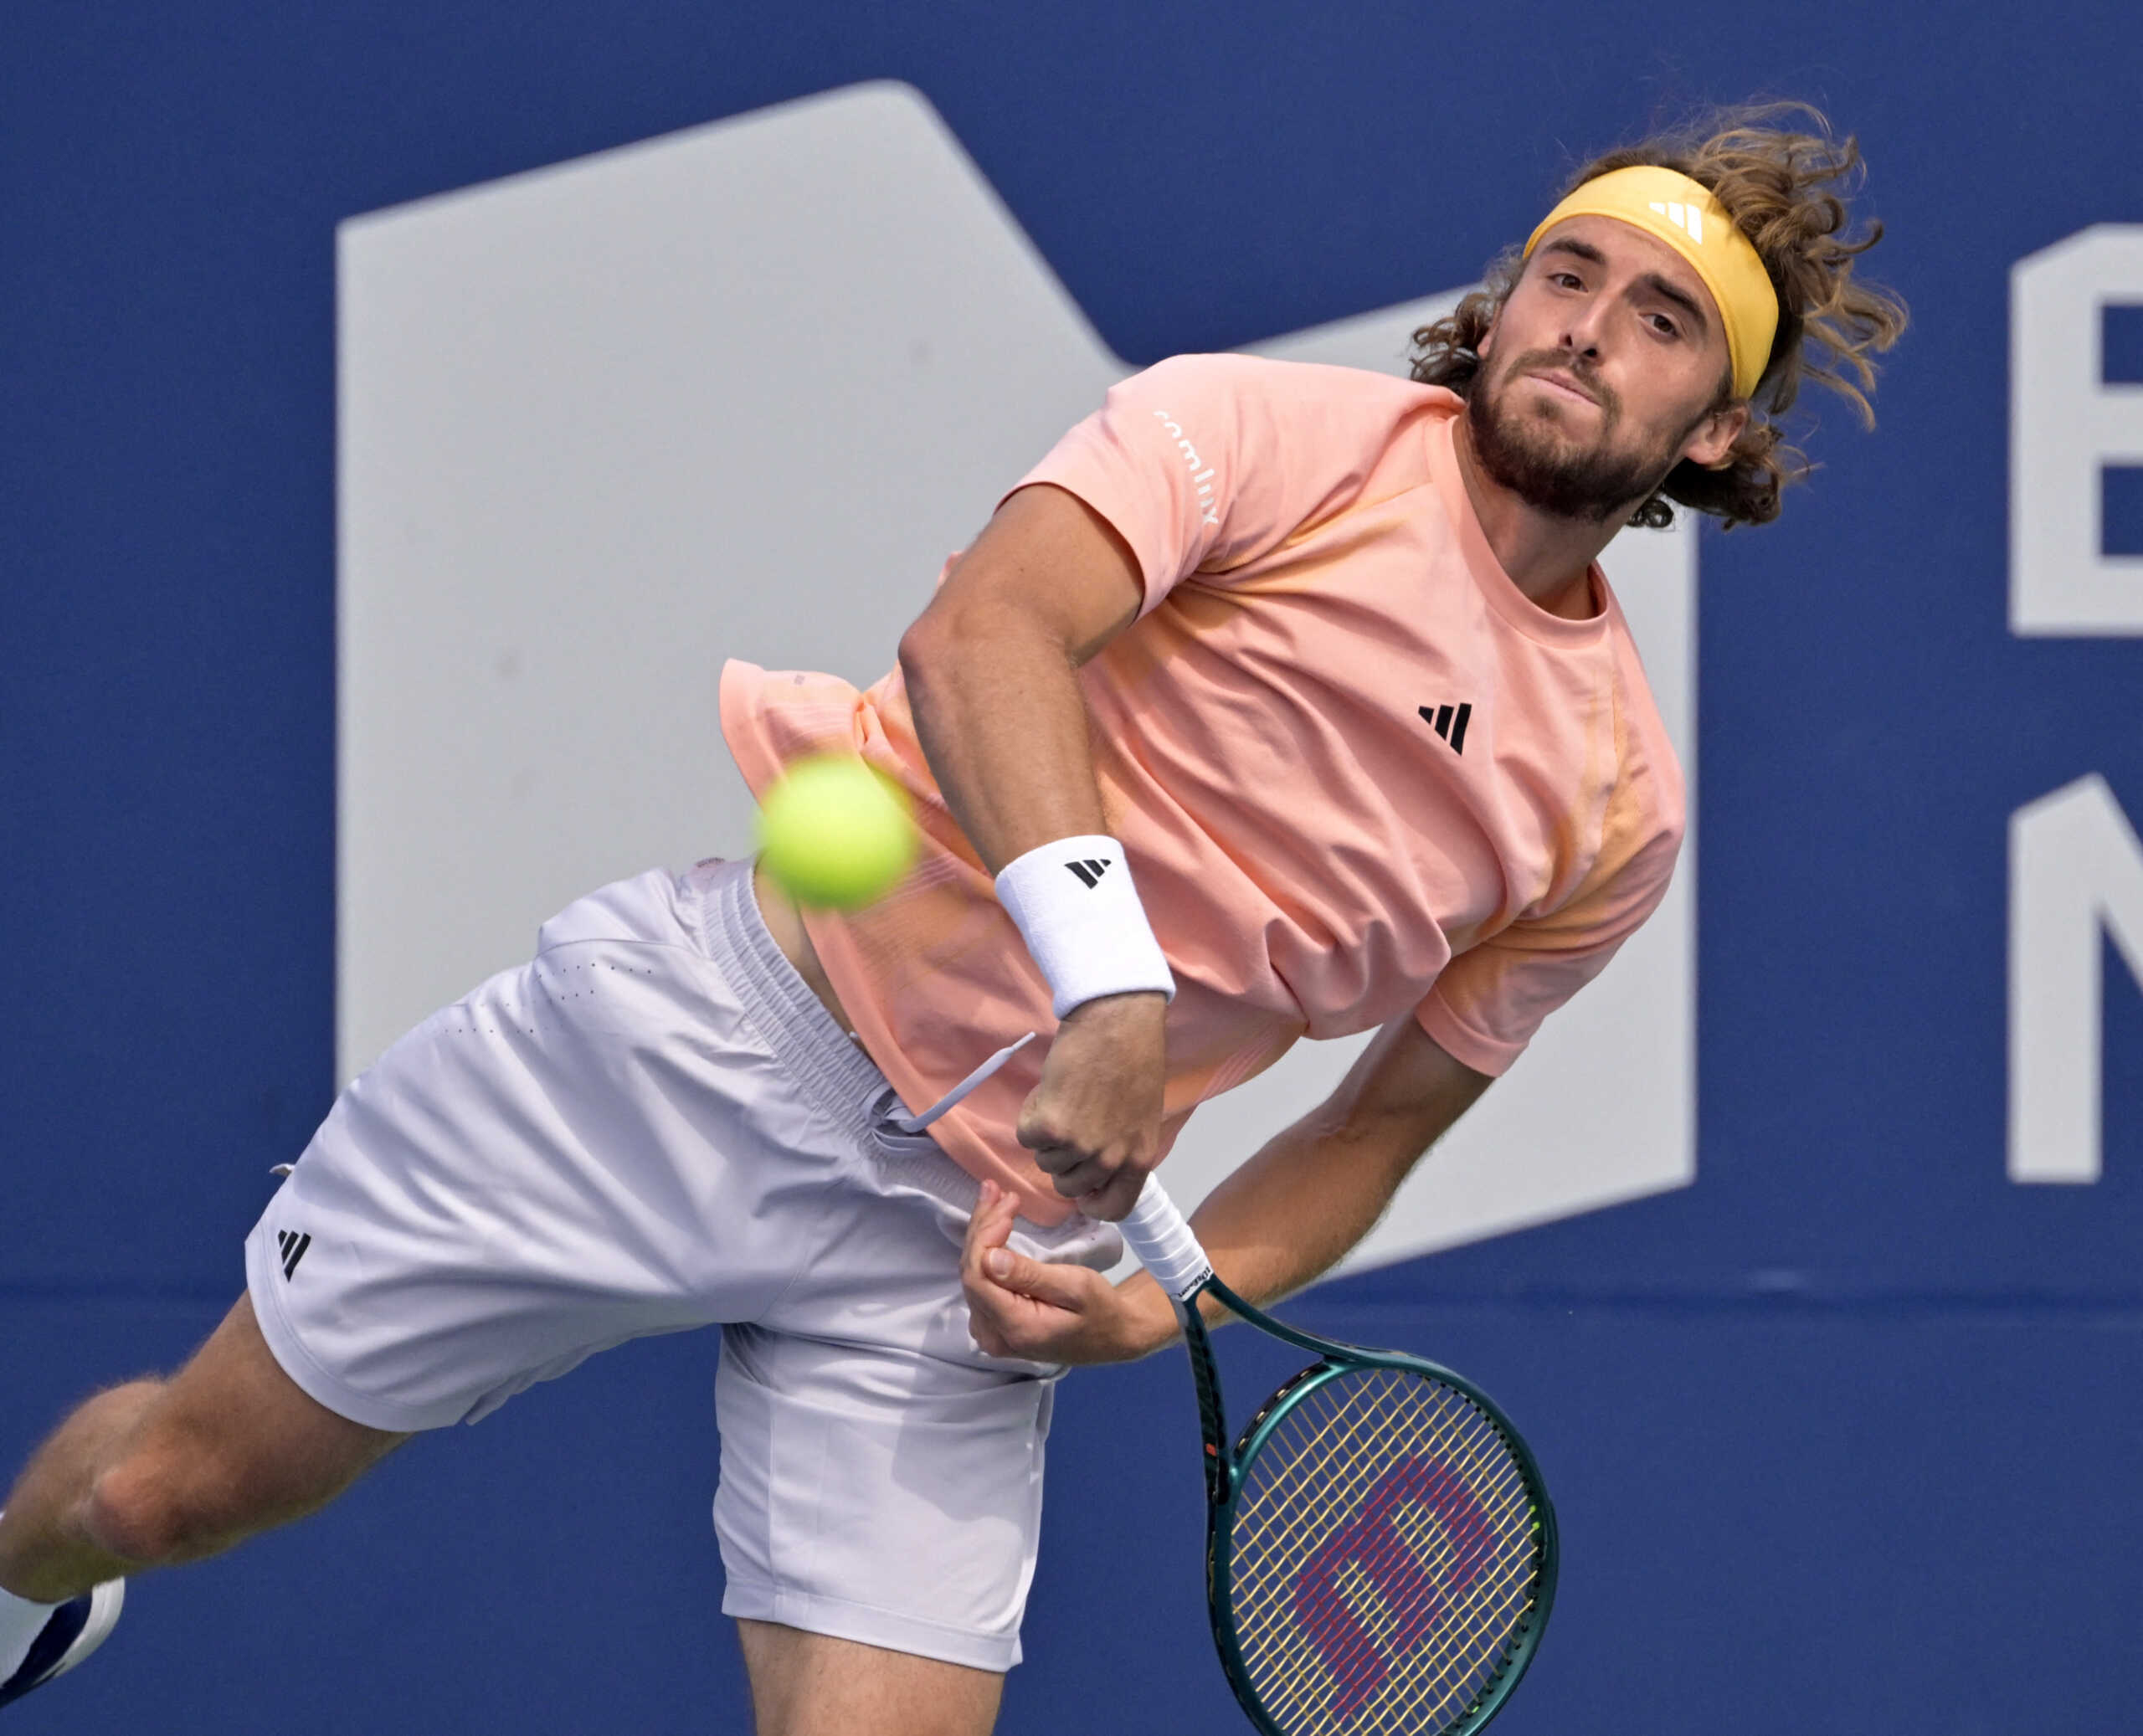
pixel 1584 331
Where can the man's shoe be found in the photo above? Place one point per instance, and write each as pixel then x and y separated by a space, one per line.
pixel 75 1630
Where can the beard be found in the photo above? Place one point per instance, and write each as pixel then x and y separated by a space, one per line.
pixel 1526 451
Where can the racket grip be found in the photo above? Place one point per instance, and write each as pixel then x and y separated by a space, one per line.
pixel 1166 1246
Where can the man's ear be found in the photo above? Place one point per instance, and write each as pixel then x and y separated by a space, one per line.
pixel 1488 337
pixel 1713 440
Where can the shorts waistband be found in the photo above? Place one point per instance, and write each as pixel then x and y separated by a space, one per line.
pixel 842 1081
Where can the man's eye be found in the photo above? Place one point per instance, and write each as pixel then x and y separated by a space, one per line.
pixel 1665 326
pixel 1566 280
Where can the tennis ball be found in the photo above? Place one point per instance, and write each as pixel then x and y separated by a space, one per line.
pixel 834 833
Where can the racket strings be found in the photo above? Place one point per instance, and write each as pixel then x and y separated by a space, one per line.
pixel 1387 1593
pixel 1385 1557
pixel 1355 1635
pixel 1356 1668
pixel 1312 1458
pixel 1322 1689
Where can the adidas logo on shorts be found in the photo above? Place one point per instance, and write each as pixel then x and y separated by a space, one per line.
pixel 293 1245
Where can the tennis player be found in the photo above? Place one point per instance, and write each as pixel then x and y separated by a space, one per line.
pixel 1277 700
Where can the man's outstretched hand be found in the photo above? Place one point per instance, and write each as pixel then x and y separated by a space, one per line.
pixel 1094 1122
pixel 1022 1308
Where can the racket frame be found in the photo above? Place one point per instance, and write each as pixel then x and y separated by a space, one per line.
pixel 1225 1463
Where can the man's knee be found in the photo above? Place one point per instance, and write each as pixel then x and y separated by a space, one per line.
pixel 230 1447
pixel 178 1493
pixel 143 1510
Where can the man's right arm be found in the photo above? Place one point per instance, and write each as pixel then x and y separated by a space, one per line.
pixel 991 670
pixel 991 667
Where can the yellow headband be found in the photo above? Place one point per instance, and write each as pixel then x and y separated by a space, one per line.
pixel 1684 214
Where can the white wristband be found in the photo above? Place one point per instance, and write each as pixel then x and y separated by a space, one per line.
pixel 1081 920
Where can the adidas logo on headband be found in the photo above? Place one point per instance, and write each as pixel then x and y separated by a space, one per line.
pixel 1685 218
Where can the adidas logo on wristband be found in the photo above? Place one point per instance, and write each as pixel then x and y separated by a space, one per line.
pixel 1088 940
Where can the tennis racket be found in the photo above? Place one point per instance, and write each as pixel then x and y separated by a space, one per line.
pixel 1380 1551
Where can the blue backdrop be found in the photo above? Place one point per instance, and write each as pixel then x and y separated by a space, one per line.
pixel 1841 1434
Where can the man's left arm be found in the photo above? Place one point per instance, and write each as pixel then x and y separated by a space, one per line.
pixel 1309 1195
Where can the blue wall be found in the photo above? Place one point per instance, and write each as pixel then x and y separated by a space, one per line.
pixel 1842 1433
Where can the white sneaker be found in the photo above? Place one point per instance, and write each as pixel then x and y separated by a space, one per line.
pixel 70 1634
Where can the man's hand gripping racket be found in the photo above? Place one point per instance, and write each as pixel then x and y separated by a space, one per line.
pixel 1380 1550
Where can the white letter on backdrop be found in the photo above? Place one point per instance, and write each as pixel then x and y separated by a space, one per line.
pixel 2066 423
pixel 2075 875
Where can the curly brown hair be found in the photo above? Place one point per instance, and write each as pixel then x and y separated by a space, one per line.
pixel 1787 189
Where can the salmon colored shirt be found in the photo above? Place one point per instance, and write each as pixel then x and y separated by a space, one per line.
pixel 1316 856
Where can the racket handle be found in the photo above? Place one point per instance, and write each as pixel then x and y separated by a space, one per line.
pixel 1166 1246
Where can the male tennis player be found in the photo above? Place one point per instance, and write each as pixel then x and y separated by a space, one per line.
pixel 1275 701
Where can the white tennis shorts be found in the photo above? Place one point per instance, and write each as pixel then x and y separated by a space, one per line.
pixel 655 1126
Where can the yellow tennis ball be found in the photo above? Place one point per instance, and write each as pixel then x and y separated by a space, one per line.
pixel 834 833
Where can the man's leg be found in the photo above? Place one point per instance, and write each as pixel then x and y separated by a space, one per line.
pixel 156 1472
pixel 807 1684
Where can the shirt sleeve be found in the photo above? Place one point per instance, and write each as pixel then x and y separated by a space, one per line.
pixel 1203 463
pixel 1490 998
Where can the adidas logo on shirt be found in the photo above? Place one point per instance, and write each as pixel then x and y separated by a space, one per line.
pixel 293 1246
pixel 1448 722
pixel 1090 870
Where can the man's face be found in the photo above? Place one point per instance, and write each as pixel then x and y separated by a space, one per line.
pixel 1606 367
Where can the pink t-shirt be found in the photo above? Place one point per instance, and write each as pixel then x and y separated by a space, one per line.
pixel 1355 772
